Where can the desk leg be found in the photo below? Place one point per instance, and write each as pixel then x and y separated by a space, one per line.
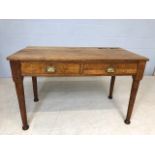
pixel 135 86
pixel 111 87
pixel 21 101
pixel 35 89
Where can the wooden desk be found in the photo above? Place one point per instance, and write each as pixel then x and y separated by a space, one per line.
pixel 72 61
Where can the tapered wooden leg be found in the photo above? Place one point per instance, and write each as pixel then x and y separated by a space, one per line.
pixel 111 87
pixel 35 89
pixel 133 94
pixel 21 101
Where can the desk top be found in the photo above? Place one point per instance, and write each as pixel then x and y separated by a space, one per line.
pixel 37 53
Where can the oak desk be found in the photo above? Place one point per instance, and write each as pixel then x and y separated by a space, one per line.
pixel 75 61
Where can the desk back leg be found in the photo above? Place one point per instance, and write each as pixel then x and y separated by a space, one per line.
pixel 111 87
pixel 35 88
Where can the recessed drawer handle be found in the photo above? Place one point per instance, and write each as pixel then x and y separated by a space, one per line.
pixel 50 69
pixel 110 70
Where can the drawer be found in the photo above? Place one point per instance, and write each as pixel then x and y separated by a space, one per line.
pixel 110 69
pixel 49 68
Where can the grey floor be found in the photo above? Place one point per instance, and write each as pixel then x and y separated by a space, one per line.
pixel 78 106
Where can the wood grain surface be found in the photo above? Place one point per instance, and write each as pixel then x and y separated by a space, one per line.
pixel 74 54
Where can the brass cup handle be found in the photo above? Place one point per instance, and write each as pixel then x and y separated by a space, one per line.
pixel 50 69
pixel 110 70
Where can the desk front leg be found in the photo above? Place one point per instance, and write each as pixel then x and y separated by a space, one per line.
pixel 21 101
pixel 133 94
pixel 18 80
pixel 135 85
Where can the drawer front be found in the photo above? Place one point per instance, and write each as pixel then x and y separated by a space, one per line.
pixel 110 69
pixel 48 68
